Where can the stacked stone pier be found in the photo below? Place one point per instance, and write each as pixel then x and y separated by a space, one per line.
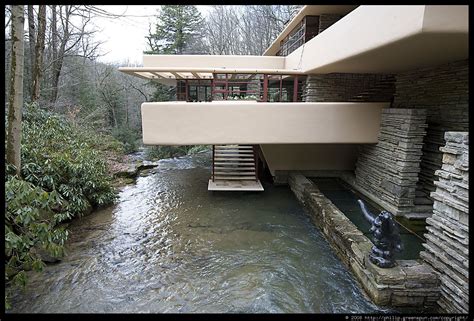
pixel 389 169
pixel 447 241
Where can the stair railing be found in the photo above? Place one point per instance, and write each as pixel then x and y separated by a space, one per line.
pixel 255 157
pixel 213 161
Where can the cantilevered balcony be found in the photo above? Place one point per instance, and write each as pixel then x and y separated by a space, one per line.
pixel 251 122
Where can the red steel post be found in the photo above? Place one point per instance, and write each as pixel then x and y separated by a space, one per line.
pixel 265 88
pixel 295 89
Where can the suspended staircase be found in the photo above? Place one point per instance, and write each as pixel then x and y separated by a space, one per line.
pixel 234 168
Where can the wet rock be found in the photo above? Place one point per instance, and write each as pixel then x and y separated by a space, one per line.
pixel 130 172
pixel 88 209
pixel 146 165
pixel 133 170
pixel 128 181
pixel 44 255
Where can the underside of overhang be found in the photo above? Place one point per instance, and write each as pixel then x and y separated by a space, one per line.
pixel 169 76
pixel 173 73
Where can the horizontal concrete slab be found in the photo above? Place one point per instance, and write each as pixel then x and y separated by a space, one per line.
pixel 251 122
pixel 235 186
pixel 378 39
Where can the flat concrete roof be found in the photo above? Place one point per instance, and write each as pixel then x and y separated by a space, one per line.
pixel 306 11
pixel 387 39
pixel 370 39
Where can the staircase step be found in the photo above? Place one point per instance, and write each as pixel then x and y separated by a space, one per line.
pixel 227 150
pixel 241 178
pixel 244 159
pixel 246 156
pixel 234 168
pixel 235 173
pixel 234 146
pixel 228 168
pixel 234 151
pixel 217 164
pixel 234 162
pixel 235 185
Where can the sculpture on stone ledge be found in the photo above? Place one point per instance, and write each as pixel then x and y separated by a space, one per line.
pixel 386 237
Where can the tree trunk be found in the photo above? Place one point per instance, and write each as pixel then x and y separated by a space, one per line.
pixel 114 116
pixel 54 48
pixel 32 44
pixel 59 57
pixel 126 113
pixel 16 89
pixel 39 50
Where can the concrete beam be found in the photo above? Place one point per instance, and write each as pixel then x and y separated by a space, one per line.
pixel 251 122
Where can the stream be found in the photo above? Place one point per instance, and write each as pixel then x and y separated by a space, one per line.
pixel 169 245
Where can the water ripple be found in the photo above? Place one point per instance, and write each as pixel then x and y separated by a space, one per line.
pixel 169 245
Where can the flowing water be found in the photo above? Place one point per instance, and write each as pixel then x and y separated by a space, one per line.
pixel 169 245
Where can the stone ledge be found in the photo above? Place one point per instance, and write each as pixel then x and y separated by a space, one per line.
pixel 411 283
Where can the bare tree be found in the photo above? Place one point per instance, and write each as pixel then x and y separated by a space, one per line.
pixel 222 31
pixel 54 49
pixel 72 40
pixel 246 30
pixel 31 41
pixel 111 93
pixel 8 18
pixel 39 50
pixel 16 89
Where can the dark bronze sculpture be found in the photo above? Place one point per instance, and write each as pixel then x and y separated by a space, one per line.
pixel 386 237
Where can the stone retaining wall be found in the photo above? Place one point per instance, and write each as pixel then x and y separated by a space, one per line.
pixel 328 19
pixel 447 240
pixel 336 87
pixel 444 92
pixel 409 284
pixel 389 169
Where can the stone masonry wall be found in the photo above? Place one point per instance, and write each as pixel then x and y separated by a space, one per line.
pixel 443 91
pixel 347 87
pixel 389 169
pixel 411 283
pixel 327 20
pixel 447 240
